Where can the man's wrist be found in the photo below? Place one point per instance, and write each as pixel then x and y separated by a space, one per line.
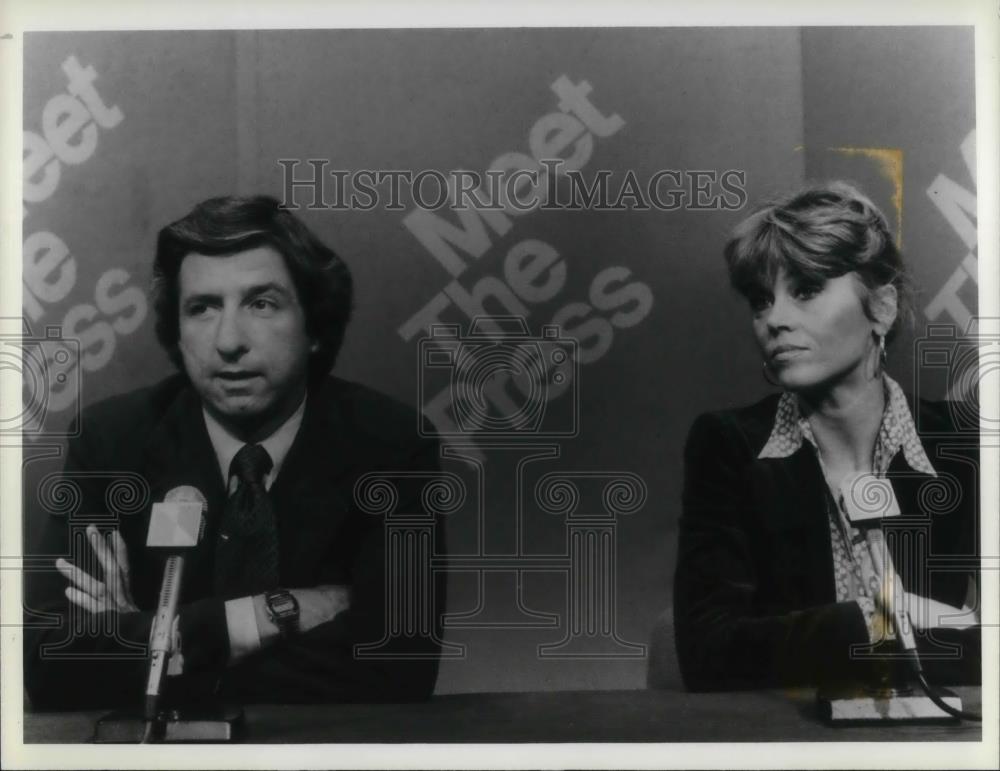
pixel 268 630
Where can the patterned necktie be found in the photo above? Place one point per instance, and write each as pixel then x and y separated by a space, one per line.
pixel 246 549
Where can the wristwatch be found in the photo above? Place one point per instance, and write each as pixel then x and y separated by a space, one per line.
pixel 283 610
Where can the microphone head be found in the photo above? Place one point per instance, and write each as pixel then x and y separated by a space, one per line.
pixel 186 494
pixel 876 539
pixel 179 521
pixel 868 499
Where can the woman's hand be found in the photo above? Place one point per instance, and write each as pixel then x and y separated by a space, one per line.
pixel 927 613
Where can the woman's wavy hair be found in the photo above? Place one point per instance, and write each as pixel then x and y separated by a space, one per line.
pixel 817 234
pixel 224 226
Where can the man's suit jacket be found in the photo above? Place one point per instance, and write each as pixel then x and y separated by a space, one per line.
pixel 754 592
pixel 324 538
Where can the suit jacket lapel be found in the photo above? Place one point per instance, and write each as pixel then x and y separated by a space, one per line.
pixel 911 531
pixel 795 511
pixel 312 494
pixel 179 452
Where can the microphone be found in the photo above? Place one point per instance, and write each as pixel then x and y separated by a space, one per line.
pixel 892 589
pixel 868 500
pixel 176 524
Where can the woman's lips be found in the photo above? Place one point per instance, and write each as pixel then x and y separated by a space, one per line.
pixel 785 353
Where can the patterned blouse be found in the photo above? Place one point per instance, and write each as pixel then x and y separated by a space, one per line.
pixel 856 576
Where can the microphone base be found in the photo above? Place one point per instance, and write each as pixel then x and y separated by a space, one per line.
pixel 184 726
pixel 881 706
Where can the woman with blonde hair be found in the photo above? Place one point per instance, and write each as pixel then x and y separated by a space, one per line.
pixel 777 582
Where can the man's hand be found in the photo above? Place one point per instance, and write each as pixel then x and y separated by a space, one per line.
pixel 320 604
pixel 114 593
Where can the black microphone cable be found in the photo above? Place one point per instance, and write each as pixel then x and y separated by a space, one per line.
pixel 918 670
pixel 904 633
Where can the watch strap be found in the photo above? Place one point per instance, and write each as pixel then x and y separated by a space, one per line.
pixel 283 610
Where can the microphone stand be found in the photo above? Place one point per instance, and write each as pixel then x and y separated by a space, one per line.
pixel 173 525
pixel 203 723
pixel 160 643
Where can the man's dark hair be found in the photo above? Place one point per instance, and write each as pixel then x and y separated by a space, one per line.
pixel 231 224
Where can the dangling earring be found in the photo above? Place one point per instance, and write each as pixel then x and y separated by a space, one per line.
pixel 767 371
pixel 880 365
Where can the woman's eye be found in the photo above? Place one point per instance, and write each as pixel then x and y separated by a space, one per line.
pixel 759 304
pixel 808 291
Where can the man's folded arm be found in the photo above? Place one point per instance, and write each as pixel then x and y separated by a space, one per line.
pixel 74 659
pixel 323 663
pixel 100 660
pixel 104 664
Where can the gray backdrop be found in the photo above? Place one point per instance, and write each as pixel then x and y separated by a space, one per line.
pixel 210 113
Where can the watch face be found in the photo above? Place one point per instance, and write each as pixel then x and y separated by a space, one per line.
pixel 282 604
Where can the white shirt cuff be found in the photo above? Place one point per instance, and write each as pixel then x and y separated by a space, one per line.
pixel 244 637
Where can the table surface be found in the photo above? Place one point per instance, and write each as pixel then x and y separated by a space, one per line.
pixel 561 716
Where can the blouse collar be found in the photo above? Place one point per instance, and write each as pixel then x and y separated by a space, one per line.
pixel 897 431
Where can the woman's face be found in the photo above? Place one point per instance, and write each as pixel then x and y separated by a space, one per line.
pixel 812 335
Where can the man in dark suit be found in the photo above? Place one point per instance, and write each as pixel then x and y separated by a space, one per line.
pixel 290 576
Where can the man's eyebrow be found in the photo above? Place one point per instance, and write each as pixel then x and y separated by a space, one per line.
pixel 270 286
pixel 203 298
pixel 214 298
